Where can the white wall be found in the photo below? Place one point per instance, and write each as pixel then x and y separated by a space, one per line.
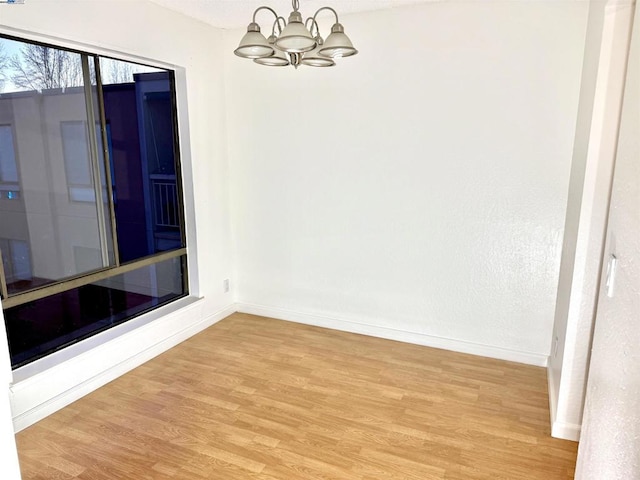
pixel 144 31
pixel 601 92
pixel 417 190
pixel 610 440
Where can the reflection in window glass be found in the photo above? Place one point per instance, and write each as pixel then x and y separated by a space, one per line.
pixel 77 163
pixel 43 326
pixel 8 168
pixel 76 153
pixel 16 260
pixel 33 67
pixel 44 216
pixel 117 71
pixel 139 114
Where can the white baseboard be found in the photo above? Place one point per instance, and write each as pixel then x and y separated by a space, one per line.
pixel 42 394
pixel 392 334
pixel 566 431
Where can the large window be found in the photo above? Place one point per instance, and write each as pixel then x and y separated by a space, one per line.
pixel 91 216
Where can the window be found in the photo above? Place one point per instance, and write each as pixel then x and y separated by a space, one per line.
pixel 8 169
pixel 77 165
pixel 91 217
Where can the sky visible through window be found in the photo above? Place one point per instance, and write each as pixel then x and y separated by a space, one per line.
pixel 8 49
pixel 14 59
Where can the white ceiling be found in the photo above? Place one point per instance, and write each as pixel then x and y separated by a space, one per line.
pixel 238 13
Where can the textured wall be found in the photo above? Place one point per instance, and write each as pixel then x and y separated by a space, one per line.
pixel 419 186
pixel 610 440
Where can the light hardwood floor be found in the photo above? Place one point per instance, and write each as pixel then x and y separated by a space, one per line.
pixel 256 398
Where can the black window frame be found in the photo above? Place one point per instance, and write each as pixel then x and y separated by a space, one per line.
pixel 10 300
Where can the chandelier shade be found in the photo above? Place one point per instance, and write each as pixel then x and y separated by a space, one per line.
pixel 278 59
pixel 295 42
pixel 314 59
pixel 295 38
pixel 254 44
pixel 337 44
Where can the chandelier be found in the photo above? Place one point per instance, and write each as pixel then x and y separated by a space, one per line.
pixel 294 42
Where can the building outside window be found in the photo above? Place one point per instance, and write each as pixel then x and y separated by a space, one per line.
pixel 91 211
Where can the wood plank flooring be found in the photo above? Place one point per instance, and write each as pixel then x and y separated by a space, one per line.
pixel 257 398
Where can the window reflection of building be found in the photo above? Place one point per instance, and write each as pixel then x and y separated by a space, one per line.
pixel 8 167
pixel 143 172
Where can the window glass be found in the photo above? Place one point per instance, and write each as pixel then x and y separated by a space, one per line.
pixel 76 153
pixel 16 261
pixel 8 168
pixel 28 67
pixel 9 184
pixel 115 72
pixel 78 165
pixel 48 122
pixel 43 326
pixel 139 114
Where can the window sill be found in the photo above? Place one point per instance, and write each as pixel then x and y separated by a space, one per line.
pixel 81 348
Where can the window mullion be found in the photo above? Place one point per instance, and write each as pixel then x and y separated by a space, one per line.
pixel 176 155
pixel 3 279
pixel 86 279
pixel 107 162
pixel 95 163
